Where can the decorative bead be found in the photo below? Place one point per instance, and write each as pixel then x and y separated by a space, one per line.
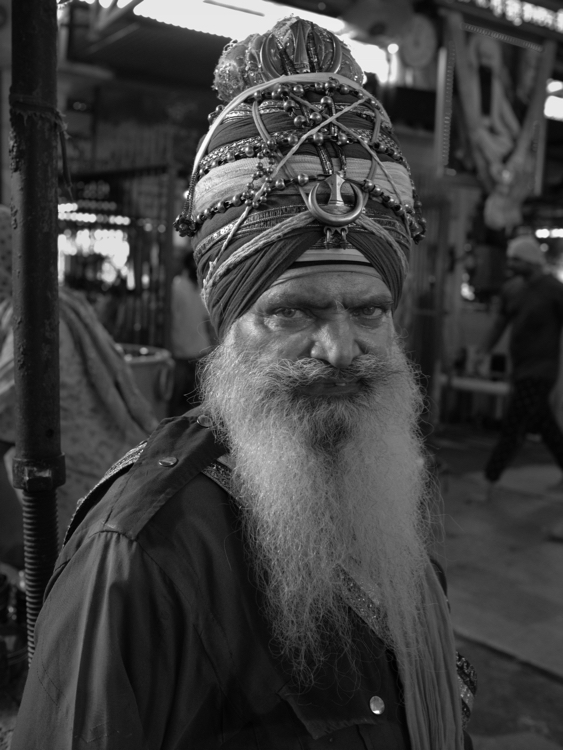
pixel 289 105
pixel 316 118
pixel 344 89
pixel 327 101
pixel 257 96
pixel 318 139
pixel 213 164
pixel 399 210
pixel 385 198
pixel 200 218
pixel 298 89
pixel 329 87
pixel 279 91
pixel 302 179
pixel 342 139
pixel 292 139
pixel 236 200
pixel 271 144
pixel 279 184
pixel 319 88
pixel 377 191
pixel 230 156
pixel 220 207
pixel 300 121
pixel 206 213
pixel 369 185
pixel 392 203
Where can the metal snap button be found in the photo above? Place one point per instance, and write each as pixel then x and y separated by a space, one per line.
pixel 376 704
pixel 168 461
pixel 204 421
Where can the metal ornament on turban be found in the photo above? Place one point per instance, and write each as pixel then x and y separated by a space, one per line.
pixel 300 166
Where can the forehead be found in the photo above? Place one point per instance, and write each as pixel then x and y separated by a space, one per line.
pixel 328 288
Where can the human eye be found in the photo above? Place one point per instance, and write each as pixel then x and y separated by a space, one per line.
pixel 287 313
pixel 370 315
pixel 370 312
pixel 278 317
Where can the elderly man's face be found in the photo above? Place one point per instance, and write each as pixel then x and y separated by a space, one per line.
pixel 332 316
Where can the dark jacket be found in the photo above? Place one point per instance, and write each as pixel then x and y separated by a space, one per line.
pixel 151 635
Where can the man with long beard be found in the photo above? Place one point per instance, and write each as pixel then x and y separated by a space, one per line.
pixel 256 576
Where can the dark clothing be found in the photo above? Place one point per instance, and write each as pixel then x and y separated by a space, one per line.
pixel 528 411
pixel 536 316
pixel 165 648
pixel 535 313
pixel 184 394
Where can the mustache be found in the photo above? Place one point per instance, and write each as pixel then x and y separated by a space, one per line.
pixel 369 370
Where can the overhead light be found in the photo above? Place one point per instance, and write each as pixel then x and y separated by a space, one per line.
pixel 236 19
pixel 545 233
pixel 393 48
pixel 553 108
pixel 554 86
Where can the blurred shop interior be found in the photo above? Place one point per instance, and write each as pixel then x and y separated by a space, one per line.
pixel 474 87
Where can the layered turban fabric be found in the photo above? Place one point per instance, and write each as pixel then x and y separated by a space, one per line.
pixel 276 140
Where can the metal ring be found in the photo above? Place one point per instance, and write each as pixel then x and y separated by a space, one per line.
pixel 336 219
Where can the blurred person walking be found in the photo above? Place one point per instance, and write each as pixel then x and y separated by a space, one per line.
pixel 191 336
pixel 532 304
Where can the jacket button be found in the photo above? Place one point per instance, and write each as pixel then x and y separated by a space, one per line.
pixel 376 704
pixel 204 421
pixel 168 461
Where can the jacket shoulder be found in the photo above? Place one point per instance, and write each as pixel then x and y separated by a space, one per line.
pixel 137 485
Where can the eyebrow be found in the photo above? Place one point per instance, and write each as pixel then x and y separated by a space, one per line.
pixel 300 300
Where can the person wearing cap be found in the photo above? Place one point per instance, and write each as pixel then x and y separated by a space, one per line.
pixel 257 574
pixel 532 306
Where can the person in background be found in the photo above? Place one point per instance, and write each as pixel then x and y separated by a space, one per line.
pixel 103 414
pixel 257 575
pixel 191 335
pixel 532 305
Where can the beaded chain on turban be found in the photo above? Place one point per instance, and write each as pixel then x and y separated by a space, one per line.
pixel 300 156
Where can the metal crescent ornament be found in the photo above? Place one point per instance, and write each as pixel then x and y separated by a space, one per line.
pixel 335 213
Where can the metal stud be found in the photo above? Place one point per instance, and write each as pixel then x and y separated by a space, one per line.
pixel 168 461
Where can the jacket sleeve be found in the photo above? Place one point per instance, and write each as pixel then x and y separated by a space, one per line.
pixel 112 639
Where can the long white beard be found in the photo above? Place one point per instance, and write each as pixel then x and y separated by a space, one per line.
pixel 325 482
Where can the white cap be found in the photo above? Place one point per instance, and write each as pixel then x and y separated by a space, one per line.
pixel 526 248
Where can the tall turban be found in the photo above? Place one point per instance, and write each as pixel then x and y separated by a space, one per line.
pixel 298 158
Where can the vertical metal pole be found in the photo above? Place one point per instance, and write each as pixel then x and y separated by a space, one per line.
pixel 168 259
pixel 39 465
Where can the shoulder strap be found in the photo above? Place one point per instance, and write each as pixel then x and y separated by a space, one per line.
pixel 87 502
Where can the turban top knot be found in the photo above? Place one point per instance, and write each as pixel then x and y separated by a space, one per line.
pixel 299 156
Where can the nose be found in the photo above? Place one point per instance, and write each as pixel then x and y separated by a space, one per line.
pixel 335 343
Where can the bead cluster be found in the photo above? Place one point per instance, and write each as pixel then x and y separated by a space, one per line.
pixel 305 115
pixel 250 147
